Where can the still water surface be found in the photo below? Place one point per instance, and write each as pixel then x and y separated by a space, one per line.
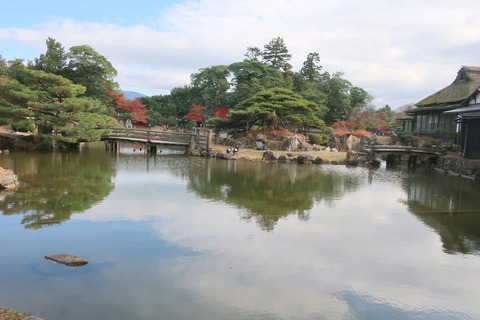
pixel 176 237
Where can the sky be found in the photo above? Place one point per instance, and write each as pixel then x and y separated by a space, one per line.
pixel 399 51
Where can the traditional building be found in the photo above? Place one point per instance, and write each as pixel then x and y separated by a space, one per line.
pixel 468 116
pixel 403 118
pixel 430 116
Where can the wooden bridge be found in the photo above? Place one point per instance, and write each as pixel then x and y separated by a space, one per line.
pixel 393 152
pixel 193 141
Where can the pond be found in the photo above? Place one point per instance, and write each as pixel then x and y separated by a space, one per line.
pixel 174 237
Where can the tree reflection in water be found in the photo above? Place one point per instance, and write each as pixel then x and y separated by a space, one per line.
pixel 270 191
pixel 56 185
pixel 448 204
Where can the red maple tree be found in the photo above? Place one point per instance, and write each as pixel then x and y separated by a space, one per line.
pixel 137 111
pixel 197 113
pixel 221 113
pixel 342 128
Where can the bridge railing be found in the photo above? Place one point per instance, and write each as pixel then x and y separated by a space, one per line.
pixel 151 135
pixel 159 136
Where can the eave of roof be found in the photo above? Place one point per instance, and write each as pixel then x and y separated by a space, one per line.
pixel 470 108
pixel 439 109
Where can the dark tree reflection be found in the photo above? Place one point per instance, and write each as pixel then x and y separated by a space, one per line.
pixel 56 185
pixel 448 204
pixel 268 192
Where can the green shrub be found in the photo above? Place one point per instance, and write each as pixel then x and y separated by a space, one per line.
pixel 427 144
pixel 439 132
pixel 405 138
pixel 318 138
pixel 23 126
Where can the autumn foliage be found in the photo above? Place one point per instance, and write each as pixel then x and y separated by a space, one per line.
pixel 137 111
pixel 361 122
pixel 197 113
pixel 343 128
pixel 221 113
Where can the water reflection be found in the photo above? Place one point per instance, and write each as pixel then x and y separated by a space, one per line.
pixel 56 185
pixel 167 242
pixel 448 204
pixel 378 309
pixel 269 192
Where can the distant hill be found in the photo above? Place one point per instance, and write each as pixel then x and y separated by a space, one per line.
pixel 130 95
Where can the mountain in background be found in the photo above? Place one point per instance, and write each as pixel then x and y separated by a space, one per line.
pixel 130 95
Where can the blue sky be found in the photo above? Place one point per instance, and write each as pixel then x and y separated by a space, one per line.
pixel 121 12
pixel 399 51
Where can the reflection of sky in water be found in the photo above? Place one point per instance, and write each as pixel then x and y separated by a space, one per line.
pixel 139 149
pixel 156 250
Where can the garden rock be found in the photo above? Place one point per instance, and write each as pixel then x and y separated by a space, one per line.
pixel 67 259
pixel 284 159
pixel 8 180
pixel 291 144
pixel 269 156
pixel 304 159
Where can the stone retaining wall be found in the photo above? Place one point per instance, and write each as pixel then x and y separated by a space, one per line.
pixel 468 168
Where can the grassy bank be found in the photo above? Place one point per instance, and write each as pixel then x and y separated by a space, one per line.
pixel 257 154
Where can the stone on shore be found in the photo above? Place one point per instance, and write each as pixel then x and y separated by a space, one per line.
pixel 226 156
pixel 8 180
pixel 269 156
pixel 305 159
pixel 284 159
pixel 67 259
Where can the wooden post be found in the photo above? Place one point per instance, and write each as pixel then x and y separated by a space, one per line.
pixel 372 152
pixel 209 140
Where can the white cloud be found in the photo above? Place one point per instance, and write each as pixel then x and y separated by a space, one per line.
pixel 398 51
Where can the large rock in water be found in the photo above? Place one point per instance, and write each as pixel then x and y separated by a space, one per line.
pixel 67 259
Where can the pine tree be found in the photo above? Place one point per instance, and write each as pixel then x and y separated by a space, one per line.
pixel 276 54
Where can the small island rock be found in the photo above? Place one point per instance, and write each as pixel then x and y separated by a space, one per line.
pixel 67 259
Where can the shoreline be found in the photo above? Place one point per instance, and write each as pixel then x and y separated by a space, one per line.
pixel 246 154
pixel 12 314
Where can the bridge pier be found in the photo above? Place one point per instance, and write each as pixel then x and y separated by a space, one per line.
pixel 152 148
pixel 111 146
pixel 390 160
pixel 412 161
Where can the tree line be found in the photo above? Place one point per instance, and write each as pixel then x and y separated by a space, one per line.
pixel 228 85
pixel 311 93
pixel 71 95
